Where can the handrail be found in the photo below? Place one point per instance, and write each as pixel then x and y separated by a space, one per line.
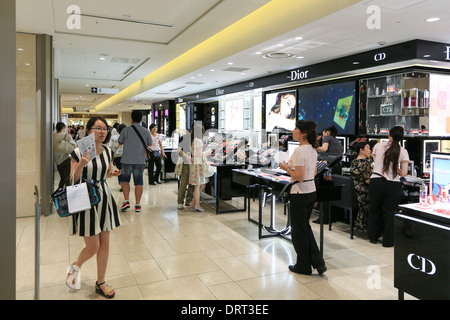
pixel 37 244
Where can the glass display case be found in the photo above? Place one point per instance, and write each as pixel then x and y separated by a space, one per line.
pixel 395 100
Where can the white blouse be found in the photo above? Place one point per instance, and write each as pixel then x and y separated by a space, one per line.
pixel 304 156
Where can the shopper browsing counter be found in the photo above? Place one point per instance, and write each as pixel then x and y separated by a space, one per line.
pixel 385 189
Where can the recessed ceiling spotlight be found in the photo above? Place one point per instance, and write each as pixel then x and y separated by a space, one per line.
pixel 230 63
pixel 298 38
pixel 258 52
pixel 300 57
pixel 278 55
pixel 281 45
pixel 103 58
pixel 433 19
pixel 20 49
pixel 212 70
pixel 355 62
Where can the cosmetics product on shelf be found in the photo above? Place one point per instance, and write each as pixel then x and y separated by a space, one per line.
pixel 405 98
pixel 414 97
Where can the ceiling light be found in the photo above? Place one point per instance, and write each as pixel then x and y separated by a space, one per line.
pixel 281 45
pixel 259 52
pixel 20 49
pixel 300 57
pixel 356 62
pixel 278 55
pixel 433 19
pixel 212 70
pixel 103 58
pixel 27 64
pixel 230 63
pixel 427 56
pixel 298 38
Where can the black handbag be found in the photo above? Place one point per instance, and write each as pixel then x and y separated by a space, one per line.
pixel 148 151
pixel 59 197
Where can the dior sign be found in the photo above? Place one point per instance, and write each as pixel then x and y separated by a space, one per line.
pixel 421 264
pixel 299 75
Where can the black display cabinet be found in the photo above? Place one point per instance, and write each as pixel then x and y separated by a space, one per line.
pixel 164 116
pixel 421 254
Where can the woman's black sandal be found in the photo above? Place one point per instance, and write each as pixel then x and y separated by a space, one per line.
pixel 100 291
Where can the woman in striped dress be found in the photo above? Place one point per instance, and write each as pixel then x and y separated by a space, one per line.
pixel 95 224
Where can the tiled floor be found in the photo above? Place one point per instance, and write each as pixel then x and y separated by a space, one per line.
pixel 167 254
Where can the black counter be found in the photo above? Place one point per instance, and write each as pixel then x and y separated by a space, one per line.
pixel 421 253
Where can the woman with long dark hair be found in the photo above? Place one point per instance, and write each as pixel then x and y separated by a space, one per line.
pixel 95 225
pixel 302 167
pixel 385 189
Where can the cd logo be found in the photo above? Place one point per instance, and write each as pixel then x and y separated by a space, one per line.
pixel 422 264
pixel 380 56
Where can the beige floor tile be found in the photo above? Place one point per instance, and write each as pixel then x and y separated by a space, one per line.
pixel 235 269
pixel 282 286
pixel 146 271
pixel 229 291
pixel 193 244
pixel 327 290
pixel 160 248
pixel 214 278
pixel 184 288
pixel 186 264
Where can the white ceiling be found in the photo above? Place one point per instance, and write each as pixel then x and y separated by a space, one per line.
pixel 137 37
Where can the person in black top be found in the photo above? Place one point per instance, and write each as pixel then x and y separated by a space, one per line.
pixel 330 144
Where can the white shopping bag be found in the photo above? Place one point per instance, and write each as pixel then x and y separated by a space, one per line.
pixel 78 198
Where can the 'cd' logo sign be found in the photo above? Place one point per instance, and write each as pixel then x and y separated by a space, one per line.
pixel 420 263
pixel 380 56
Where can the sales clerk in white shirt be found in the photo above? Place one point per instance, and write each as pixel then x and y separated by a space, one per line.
pixel 302 167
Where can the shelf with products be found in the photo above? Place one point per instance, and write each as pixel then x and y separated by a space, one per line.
pixel 395 100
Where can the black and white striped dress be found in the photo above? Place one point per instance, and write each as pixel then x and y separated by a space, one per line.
pixel 105 215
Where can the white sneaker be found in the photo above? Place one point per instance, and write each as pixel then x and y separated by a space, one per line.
pixel 180 207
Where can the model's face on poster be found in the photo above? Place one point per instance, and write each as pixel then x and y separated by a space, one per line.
pixel 287 103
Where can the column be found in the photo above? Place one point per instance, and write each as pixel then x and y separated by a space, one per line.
pixel 8 143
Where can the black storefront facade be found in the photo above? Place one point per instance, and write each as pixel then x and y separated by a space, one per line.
pixel 417 58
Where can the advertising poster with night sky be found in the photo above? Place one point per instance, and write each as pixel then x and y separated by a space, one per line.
pixel 329 105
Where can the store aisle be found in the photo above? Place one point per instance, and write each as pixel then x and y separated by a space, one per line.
pixel 167 254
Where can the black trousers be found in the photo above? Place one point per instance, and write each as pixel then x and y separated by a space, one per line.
pixel 64 171
pixel 308 254
pixel 153 176
pixel 385 196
